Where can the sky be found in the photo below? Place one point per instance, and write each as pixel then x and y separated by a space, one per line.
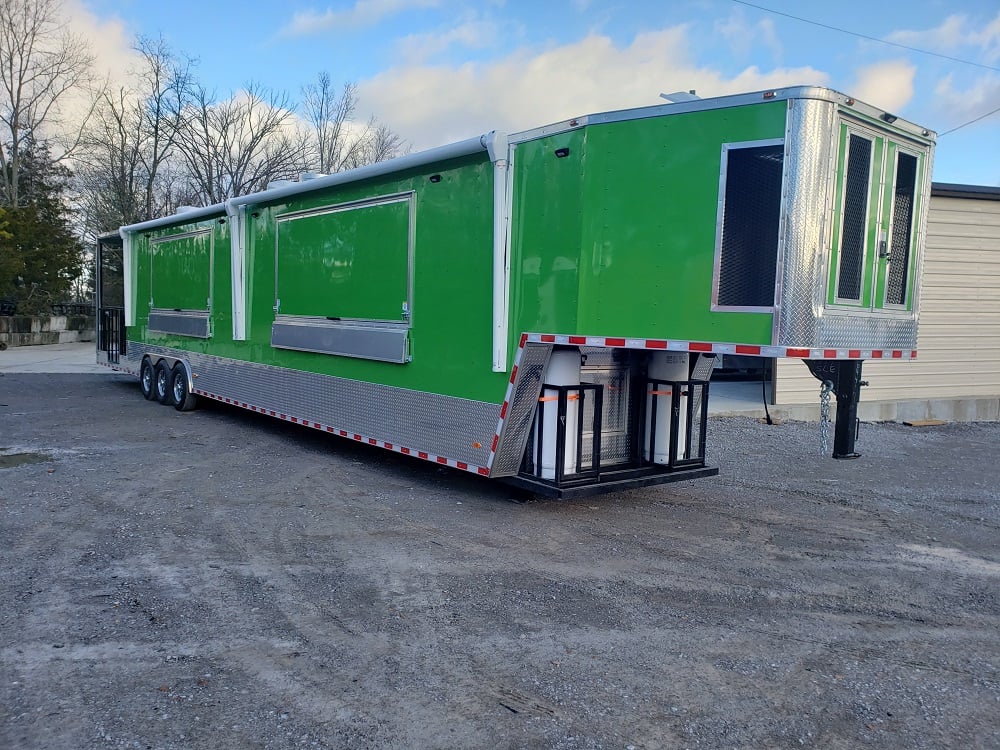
pixel 438 71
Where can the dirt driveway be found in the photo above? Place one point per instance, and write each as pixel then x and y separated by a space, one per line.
pixel 219 580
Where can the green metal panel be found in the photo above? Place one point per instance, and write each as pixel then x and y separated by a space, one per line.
pixel 163 276
pixel 618 237
pixel 347 262
pixel 181 271
pixel 452 284
pixel 546 232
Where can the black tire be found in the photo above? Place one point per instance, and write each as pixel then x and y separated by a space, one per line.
pixel 161 381
pixel 180 394
pixel 147 379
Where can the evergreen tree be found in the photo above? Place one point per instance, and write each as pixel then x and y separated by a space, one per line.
pixel 40 256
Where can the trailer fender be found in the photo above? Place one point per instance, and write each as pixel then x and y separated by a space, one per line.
pixel 189 375
pixel 171 362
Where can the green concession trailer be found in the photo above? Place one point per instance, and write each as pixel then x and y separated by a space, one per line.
pixel 543 307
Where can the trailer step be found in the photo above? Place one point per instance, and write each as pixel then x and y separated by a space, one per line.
pixel 609 481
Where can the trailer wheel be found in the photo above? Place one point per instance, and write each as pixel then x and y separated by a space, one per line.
pixel 147 380
pixel 161 391
pixel 182 397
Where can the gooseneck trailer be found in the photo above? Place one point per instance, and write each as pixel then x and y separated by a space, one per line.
pixel 543 307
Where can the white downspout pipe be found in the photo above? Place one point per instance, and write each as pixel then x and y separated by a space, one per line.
pixel 237 248
pixel 128 259
pixel 498 149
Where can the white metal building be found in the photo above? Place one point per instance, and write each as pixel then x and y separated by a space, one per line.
pixel 956 375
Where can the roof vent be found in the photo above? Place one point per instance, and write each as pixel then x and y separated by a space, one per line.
pixel 681 96
pixel 279 183
pixel 185 209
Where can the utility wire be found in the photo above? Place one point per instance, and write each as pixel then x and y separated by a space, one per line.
pixel 891 44
pixel 865 36
pixel 981 117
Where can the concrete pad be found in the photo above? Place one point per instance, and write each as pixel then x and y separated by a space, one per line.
pixel 52 358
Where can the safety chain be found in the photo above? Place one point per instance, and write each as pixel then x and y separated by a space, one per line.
pixel 824 417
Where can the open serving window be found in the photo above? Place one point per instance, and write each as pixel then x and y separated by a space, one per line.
pixel 343 279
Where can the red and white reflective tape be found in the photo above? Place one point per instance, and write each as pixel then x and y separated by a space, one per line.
pixel 349 434
pixel 119 368
pixel 506 400
pixel 701 347
pixel 711 347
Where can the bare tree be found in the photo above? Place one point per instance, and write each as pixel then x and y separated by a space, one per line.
pixel 337 142
pixel 238 145
pixel 131 138
pixel 167 85
pixel 377 142
pixel 42 65
pixel 328 113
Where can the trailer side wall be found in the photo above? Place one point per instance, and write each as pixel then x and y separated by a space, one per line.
pixel 452 227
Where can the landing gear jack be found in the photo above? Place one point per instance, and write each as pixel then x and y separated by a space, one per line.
pixel 845 375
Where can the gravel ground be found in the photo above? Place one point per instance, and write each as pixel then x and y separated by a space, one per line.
pixel 219 580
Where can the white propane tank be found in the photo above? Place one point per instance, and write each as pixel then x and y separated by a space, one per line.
pixel 665 366
pixel 563 369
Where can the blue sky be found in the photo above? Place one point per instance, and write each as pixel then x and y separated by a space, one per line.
pixel 441 70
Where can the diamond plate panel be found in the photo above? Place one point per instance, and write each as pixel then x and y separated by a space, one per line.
pixel 521 410
pixel 616 440
pixel 429 422
pixel 808 187
pixel 802 319
pixel 695 448
pixel 866 332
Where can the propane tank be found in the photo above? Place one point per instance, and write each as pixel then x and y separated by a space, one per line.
pixel 563 369
pixel 673 367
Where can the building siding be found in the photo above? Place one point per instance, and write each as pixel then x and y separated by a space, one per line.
pixel 959 334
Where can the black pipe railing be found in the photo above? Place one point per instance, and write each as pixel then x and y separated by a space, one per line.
pixel 111 332
pixel 693 418
pixel 564 395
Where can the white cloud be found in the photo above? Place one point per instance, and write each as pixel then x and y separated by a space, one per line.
pixel 429 105
pixel 110 44
pixel 888 85
pixel 947 37
pixel 988 37
pixel 471 34
pixel 362 13
pixel 743 36
pixel 109 40
pixel 954 105
pixel 955 34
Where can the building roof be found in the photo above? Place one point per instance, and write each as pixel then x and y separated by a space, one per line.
pixel 955 190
